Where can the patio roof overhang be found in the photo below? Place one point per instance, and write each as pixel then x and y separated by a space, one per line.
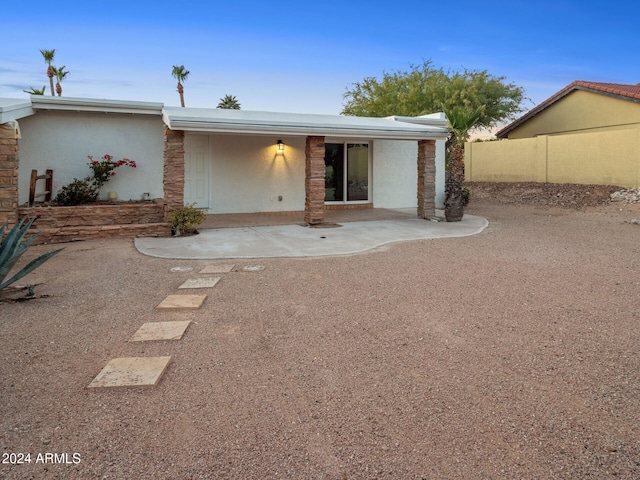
pixel 244 122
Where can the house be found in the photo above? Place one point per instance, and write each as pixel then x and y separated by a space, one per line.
pixel 580 107
pixel 588 132
pixel 225 161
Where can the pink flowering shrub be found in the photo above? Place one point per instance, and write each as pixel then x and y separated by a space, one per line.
pixel 87 189
pixel 103 170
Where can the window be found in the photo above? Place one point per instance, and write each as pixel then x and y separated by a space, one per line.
pixel 346 172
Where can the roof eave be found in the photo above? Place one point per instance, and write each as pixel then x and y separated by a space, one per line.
pixel 43 102
pixel 293 130
pixel 12 110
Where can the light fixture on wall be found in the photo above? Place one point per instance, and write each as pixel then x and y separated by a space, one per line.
pixel 280 146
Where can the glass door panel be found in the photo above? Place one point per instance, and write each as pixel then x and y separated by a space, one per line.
pixel 357 172
pixel 334 172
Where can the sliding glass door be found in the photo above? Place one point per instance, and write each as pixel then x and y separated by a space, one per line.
pixel 346 172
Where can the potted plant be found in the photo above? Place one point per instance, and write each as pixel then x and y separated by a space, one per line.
pixel 185 220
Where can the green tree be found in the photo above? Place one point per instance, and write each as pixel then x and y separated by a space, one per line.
pixel 36 91
pixel 424 89
pixel 180 74
pixel 229 102
pixel 60 75
pixel 48 56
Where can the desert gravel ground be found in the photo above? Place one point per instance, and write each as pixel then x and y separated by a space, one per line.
pixel 510 354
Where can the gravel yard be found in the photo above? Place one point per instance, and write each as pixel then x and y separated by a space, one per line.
pixel 514 353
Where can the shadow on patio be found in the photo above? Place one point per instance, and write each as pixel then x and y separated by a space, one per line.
pixel 332 216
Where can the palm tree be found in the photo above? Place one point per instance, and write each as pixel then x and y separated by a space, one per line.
pixel 48 56
pixel 180 74
pixel 229 102
pixel 60 75
pixel 461 121
pixel 35 91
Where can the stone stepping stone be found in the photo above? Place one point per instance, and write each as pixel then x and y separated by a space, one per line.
pixel 207 282
pixel 182 302
pixel 218 268
pixel 151 331
pixel 181 269
pixel 254 268
pixel 131 372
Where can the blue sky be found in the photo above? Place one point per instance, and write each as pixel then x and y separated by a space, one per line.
pixel 293 56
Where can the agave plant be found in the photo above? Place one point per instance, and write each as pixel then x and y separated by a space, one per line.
pixel 12 246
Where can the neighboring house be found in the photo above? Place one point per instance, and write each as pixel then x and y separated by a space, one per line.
pixel 588 132
pixel 226 161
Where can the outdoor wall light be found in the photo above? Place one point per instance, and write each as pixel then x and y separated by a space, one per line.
pixel 280 146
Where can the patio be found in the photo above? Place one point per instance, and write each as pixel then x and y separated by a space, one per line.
pixel 346 232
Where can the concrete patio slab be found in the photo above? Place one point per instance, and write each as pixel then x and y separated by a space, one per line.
pixel 153 331
pixel 182 302
pixel 302 241
pixel 207 282
pixel 131 372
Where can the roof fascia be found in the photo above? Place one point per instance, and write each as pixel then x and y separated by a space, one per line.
pixel 434 120
pixel 43 102
pixel 394 130
pixel 11 110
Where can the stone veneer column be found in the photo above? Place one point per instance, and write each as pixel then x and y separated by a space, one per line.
pixel 8 173
pixel 314 181
pixel 426 178
pixel 173 170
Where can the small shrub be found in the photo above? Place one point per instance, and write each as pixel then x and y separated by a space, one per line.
pixel 185 218
pixel 77 193
pixel 466 196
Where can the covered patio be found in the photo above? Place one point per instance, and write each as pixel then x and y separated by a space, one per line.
pixel 333 216
pixel 231 162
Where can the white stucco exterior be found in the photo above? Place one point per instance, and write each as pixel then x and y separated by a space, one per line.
pixel 247 175
pixel 62 141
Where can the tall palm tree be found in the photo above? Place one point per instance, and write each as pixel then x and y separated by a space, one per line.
pixel 48 56
pixel 60 75
pixel 461 121
pixel 229 102
pixel 36 91
pixel 180 74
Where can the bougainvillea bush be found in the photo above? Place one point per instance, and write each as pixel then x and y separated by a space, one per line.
pixel 87 189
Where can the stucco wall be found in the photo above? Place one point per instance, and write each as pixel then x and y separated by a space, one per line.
pixel 605 158
pixel 395 173
pixel 62 140
pixel 247 176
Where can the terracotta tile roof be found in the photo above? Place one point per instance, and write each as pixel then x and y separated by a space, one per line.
pixel 620 90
